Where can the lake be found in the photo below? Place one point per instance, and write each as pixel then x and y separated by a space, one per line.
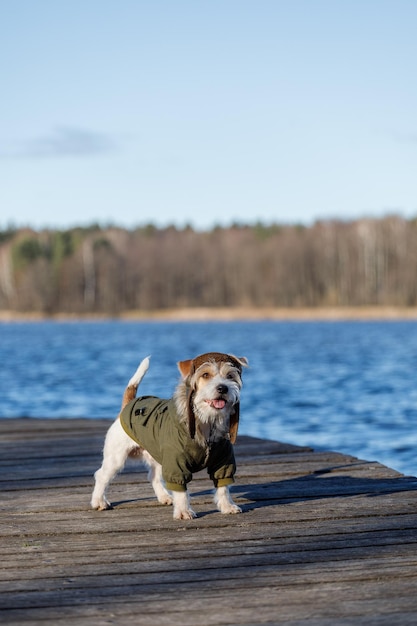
pixel 343 386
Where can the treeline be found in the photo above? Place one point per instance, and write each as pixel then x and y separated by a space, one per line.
pixel 113 270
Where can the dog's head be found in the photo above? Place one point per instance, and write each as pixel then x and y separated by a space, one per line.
pixel 213 382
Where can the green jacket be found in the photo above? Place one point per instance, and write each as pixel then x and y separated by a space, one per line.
pixel 155 425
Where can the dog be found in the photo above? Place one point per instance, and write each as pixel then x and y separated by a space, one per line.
pixel 193 430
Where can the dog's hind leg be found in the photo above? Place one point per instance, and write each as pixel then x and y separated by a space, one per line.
pixel 224 501
pixel 155 478
pixel 117 447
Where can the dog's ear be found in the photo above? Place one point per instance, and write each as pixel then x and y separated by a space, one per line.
pixel 234 418
pixel 185 367
pixel 234 423
pixel 242 360
pixel 191 416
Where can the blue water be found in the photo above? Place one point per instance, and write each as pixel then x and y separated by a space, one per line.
pixel 344 386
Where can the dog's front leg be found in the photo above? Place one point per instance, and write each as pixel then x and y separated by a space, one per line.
pixel 182 509
pixel 224 501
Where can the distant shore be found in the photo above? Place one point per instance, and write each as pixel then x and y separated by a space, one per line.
pixel 230 314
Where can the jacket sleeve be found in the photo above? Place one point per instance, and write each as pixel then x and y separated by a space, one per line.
pixel 221 465
pixel 176 471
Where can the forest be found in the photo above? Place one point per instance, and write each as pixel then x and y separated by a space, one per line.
pixel 111 270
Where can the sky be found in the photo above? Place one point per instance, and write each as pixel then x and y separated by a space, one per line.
pixel 206 112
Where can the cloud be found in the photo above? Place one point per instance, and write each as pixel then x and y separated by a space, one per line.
pixel 62 142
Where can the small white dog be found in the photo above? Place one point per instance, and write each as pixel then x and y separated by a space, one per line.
pixel 193 430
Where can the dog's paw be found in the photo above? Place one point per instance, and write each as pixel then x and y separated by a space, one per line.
pixel 231 509
pixel 165 499
pixel 101 505
pixel 184 514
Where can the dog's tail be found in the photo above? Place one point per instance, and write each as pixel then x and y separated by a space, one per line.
pixel 133 384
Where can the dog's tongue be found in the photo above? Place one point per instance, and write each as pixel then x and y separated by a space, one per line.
pixel 218 404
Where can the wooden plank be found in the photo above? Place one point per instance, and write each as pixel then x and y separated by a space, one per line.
pixel 324 538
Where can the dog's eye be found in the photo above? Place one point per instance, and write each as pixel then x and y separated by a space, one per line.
pixel 205 375
pixel 231 376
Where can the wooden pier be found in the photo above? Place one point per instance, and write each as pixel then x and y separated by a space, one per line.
pixel 324 539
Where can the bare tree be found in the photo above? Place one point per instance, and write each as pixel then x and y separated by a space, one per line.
pixel 331 263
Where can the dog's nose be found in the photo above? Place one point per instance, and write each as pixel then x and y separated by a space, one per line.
pixel 222 388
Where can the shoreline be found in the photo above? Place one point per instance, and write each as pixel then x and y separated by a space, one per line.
pixel 229 314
